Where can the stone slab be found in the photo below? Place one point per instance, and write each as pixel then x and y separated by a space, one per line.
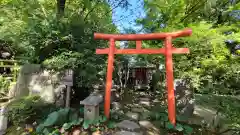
pixel 127 133
pixel 128 125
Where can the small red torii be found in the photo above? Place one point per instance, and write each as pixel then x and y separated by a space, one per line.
pixel 167 50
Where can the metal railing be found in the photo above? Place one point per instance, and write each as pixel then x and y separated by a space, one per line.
pixel 9 68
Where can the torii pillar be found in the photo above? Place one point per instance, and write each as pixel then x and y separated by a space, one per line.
pixel 167 50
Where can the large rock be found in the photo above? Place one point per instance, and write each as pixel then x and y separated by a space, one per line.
pixel 184 97
pixel 21 88
pixel 33 80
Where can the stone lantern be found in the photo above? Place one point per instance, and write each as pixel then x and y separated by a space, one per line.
pixel 91 106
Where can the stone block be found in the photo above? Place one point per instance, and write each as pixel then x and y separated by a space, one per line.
pixel 128 125
pixel 132 115
pixel 127 133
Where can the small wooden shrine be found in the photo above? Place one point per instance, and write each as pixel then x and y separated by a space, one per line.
pixel 140 75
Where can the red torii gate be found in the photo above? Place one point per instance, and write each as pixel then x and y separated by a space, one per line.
pixel 168 50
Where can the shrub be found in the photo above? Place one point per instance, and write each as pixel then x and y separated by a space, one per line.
pixel 69 119
pixel 28 110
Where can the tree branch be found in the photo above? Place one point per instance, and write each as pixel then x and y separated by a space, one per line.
pixel 192 11
pixel 192 7
pixel 91 10
pixel 119 3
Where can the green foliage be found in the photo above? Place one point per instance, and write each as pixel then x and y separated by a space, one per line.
pixel 70 118
pixel 210 66
pixel 98 124
pixel 4 84
pixel 63 117
pixel 59 43
pixel 216 126
pixel 180 127
pixel 12 130
pixel 226 105
pixel 28 110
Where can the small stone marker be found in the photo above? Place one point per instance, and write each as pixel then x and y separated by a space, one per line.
pixel 91 106
pixel 128 128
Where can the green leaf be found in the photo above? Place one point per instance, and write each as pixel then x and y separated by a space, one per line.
pixel 179 127
pixel 40 128
pixel 101 128
pixel 181 118
pixel 103 119
pixel 87 3
pixel 86 124
pixel 111 124
pixel 96 122
pixel 78 121
pixel 67 126
pixel 51 119
pixel 81 110
pixel 157 116
pixel 47 131
pixel 73 116
pixel 188 129
pixel 63 115
pixel 93 129
pixel 169 125
pixel 164 118
pixel 56 132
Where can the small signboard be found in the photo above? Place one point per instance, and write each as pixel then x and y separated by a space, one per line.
pixel 68 78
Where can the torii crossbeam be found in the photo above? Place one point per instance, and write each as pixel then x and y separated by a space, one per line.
pixel 167 50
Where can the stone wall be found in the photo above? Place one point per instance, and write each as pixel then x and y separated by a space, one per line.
pixel 33 80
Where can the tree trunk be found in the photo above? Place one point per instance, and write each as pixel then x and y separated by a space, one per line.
pixel 60 7
pixel 126 77
pixel 120 77
pixel 119 73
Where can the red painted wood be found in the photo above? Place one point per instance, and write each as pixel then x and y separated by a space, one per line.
pixel 143 51
pixel 152 36
pixel 138 45
pixel 167 51
pixel 109 78
pixel 169 78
